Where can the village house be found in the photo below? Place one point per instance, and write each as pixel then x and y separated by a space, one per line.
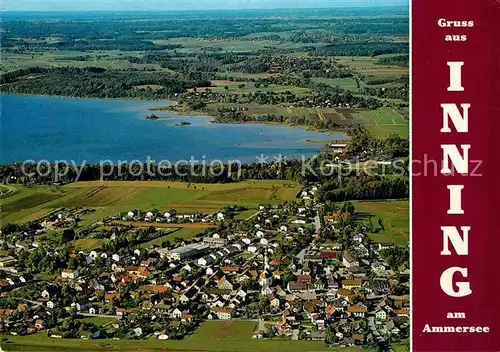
pixel 349 261
pixel 224 284
pixel 223 313
pixel 357 311
pixel 380 314
pixel 6 261
pixel 69 274
pixel 351 284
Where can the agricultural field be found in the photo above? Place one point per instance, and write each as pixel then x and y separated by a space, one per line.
pixel 381 122
pixel 389 220
pixel 339 115
pixel 367 66
pixel 107 59
pixel 344 83
pixel 113 197
pixel 385 121
pixel 224 331
pixel 238 87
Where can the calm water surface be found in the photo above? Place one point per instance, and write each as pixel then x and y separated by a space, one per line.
pixel 51 128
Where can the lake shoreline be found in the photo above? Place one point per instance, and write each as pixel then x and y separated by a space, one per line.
pixel 188 113
pixel 194 113
pixel 45 128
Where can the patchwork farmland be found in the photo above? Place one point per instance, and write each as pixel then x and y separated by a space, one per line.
pixel 111 198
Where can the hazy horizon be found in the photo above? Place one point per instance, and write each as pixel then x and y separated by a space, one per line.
pixel 176 5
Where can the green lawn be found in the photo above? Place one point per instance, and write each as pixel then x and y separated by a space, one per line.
pixel 395 220
pixel 40 342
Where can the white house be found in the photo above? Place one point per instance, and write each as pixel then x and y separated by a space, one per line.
pixel 224 284
pixel 177 313
pixel 223 313
pixel 205 260
pixel 50 304
pixel 252 249
pixel 138 332
pixel 76 306
pixel 69 274
pixel 380 314
pixel 115 257
pixel 349 261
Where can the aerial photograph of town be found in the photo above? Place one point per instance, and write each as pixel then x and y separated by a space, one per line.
pixel 204 176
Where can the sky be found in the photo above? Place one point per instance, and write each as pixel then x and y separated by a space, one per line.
pixel 148 5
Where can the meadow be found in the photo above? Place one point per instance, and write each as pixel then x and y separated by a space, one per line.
pixel 217 336
pixel 344 83
pixel 389 220
pixel 368 67
pixel 385 121
pixel 114 197
pixel 107 59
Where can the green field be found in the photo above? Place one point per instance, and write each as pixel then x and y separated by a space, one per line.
pixel 367 66
pixel 99 320
pixel 385 121
pixel 216 336
pixel 113 197
pixel 383 131
pixel 224 331
pixel 88 244
pixel 108 59
pixel 249 87
pixel 344 83
pixel 395 220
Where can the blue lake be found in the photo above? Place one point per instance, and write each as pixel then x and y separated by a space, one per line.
pixel 52 128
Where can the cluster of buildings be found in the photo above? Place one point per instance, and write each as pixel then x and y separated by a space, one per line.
pixel 276 269
pixel 170 216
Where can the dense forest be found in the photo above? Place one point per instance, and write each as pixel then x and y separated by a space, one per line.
pixel 95 82
pixel 328 24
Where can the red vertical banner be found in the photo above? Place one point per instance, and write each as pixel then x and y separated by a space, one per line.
pixel 456 175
